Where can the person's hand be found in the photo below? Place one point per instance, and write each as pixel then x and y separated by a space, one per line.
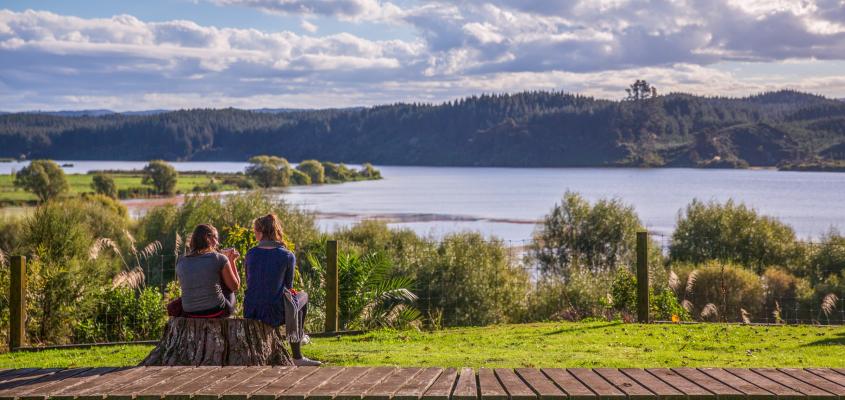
pixel 232 254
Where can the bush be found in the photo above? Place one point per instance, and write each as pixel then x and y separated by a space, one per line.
pixel 299 178
pixel 733 233
pixel 623 291
pixel 314 170
pixel 369 172
pixel 336 173
pixel 729 287
pixel 161 175
pixel 584 294
pixel 44 178
pixel 104 184
pixel 828 257
pixel 121 314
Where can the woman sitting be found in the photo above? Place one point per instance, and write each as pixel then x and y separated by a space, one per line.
pixel 208 279
pixel 269 276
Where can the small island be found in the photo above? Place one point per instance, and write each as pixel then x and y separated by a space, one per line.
pixel 43 180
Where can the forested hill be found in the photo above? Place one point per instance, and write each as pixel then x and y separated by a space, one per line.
pixel 524 129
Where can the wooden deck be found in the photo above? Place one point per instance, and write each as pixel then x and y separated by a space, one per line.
pixel 389 383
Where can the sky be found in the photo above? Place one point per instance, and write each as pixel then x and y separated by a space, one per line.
pixel 171 54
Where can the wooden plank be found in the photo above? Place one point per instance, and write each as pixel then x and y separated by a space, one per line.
pixel 829 374
pixel 204 377
pixel 441 389
pixel 596 383
pixel 33 385
pixel 683 385
pixel 489 387
pixel 302 388
pixel 175 384
pixel 357 389
pixel 270 391
pixel 415 388
pixel 751 391
pixel 466 387
pixel 244 390
pixel 662 389
pixel 16 373
pixel 569 384
pixel 215 389
pixel 722 391
pixel 110 386
pixel 839 370
pixel 337 383
pixel 146 383
pixel 68 393
pixel 45 391
pixel 390 385
pixel 815 380
pixel 541 384
pixel 782 392
pixel 623 382
pixel 25 378
pixel 810 391
pixel 516 388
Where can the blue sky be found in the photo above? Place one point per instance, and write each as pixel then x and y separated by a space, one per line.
pixel 130 55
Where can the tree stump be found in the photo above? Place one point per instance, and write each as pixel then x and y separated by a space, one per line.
pixel 219 341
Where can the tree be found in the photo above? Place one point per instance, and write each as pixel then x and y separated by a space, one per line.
pixel 368 171
pixel 732 232
pixel 314 169
pixel 598 237
pixel 161 175
pixel 44 178
pixel 104 184
pixel 269 171
pixel 641 90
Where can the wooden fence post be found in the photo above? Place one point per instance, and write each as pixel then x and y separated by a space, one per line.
pixel 17 303
pixel 332 287
pixel 642 277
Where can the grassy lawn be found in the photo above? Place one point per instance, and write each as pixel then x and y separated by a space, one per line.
pixel 538 345
pixel 81 183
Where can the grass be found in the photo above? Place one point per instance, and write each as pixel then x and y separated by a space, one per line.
pixel 81 183
pixel 538 345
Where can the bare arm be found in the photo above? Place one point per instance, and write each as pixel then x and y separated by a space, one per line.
pixel 230 276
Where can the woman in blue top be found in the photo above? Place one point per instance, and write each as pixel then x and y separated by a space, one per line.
pixel 269 273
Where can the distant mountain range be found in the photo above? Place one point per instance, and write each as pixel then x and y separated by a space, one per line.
pixel 102 112
pixel 788 129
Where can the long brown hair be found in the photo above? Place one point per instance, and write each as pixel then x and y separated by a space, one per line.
pixel 270 228
pixel 201 239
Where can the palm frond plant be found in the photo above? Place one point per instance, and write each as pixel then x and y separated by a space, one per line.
pixel 370 295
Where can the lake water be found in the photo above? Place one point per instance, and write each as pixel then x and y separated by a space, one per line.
pixel 507 202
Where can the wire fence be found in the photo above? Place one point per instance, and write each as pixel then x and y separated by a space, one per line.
pixel 474 281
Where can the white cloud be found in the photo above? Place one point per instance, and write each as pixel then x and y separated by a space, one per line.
pixel 308 26
pixel 462 47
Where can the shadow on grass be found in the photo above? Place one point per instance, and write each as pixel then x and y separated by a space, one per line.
pixel 839 339
pixel 584 328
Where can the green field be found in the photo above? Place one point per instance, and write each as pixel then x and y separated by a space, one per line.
pixel 537 345
pixel 81 183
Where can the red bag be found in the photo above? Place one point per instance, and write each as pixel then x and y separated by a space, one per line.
pixel 174 308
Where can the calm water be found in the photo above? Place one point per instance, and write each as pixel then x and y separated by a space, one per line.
pixel 507 202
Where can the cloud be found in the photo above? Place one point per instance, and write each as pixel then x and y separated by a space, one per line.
pixel 461 48
pixel 308 26
pixel 352 10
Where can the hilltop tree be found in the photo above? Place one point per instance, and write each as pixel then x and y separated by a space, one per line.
pixel 104 184
pixel 44 178
pixel 641 90
pixel 161 175
pixel 269 171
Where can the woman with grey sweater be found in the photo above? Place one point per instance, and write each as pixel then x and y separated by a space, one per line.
pixel 208 278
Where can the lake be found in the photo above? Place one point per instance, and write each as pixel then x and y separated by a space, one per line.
pixel 507 202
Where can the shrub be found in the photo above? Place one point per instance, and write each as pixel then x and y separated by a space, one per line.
pixel 104 184
pixel 121 314
pixel 584 294
pixel 44 178
pixel 732 233
pixel 623 291
pixel 369 172
pixel 729 287
pixel 314 170
pixel 161 175
pixel 299 178
pixel 828 257
pixel 338 172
